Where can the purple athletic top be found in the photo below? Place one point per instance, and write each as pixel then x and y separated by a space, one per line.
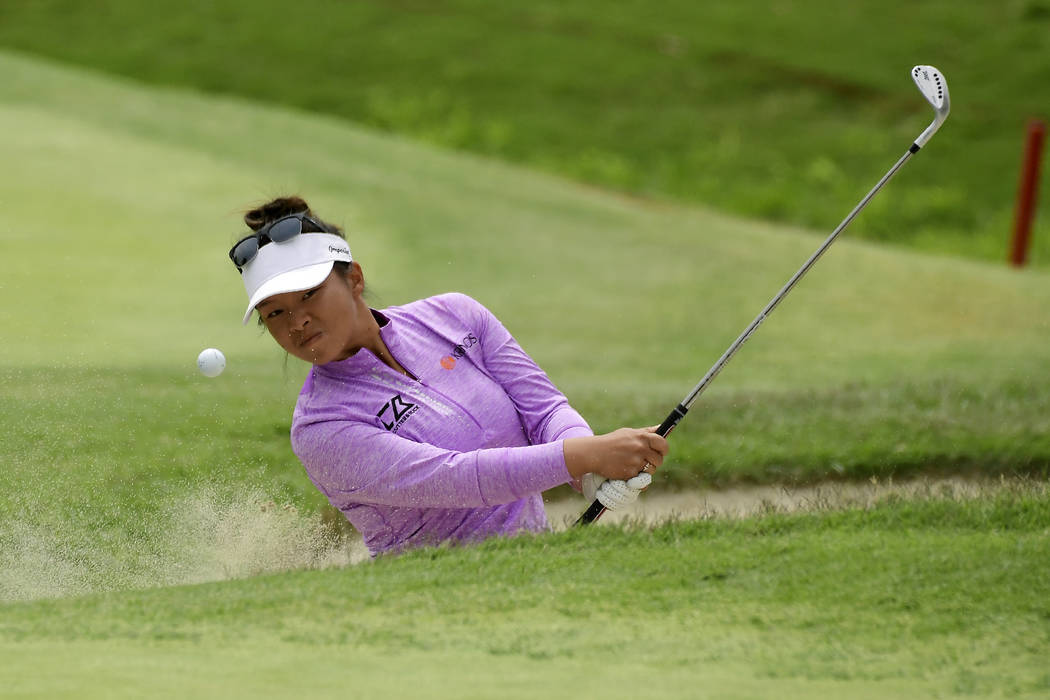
pixel 461 452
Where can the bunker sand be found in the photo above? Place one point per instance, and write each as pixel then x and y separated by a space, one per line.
pixel 205 536
pixel 660 505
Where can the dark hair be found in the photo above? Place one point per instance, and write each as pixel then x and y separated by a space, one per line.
pixel 283 206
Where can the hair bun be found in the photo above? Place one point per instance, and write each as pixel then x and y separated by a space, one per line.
pixel 271 211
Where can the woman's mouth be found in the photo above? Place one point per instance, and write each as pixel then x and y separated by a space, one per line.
pixel 309 340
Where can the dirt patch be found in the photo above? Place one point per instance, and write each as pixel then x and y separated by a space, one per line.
pixel 656 505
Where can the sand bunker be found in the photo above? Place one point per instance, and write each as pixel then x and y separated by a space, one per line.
pixel 658 505
pixel 205 536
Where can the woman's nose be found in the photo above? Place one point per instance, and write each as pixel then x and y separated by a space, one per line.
pixel 299 320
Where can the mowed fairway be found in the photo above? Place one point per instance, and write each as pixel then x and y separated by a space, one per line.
pixel 124 470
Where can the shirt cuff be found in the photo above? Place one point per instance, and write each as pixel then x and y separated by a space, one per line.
pixel 511 473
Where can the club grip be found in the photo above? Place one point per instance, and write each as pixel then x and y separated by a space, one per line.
pixel 595 510
pixel 672 420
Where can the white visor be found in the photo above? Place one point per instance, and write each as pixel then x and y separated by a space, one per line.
pixel 297 264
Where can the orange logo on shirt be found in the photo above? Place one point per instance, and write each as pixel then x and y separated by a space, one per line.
pixel 448 362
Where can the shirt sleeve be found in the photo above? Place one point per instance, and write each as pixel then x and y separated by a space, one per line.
pixel 370 465
pixel 545 412
pixel 378 467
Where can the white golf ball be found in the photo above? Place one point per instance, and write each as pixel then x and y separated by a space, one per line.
pixel 211 362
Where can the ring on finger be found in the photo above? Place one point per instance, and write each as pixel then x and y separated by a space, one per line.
pixel 646 467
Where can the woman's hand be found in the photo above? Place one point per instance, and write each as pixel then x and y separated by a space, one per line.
pixel 621 454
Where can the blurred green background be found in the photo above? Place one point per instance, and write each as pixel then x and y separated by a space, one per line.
pixel 882 362
pixel 781 110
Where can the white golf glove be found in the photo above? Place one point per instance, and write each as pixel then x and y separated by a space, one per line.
pixel 615 493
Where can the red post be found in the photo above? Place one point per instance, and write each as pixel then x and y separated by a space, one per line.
pixel 1026 192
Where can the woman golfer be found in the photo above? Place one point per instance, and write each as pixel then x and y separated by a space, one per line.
pixel 426 422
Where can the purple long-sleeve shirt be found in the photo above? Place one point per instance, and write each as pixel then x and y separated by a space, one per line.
pixel 460 452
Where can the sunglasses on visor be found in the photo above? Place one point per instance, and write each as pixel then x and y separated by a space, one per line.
pixel 284 229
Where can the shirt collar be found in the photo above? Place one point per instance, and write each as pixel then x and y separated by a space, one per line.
pixel 364 360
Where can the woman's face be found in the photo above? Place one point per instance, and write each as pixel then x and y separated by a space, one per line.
pixel 323 324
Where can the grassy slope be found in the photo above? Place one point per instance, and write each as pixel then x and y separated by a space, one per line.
pixel 920 359
pixel 775 109
pixel 122 202
pixel 944 599
pixel 120 464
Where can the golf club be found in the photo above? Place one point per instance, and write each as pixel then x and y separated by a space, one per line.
pixel 933 87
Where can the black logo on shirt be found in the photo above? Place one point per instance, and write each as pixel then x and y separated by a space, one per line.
pixel 398 411
pixel 461 349
pixel 458 351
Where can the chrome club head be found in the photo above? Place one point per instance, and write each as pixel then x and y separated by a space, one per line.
pixel 934 88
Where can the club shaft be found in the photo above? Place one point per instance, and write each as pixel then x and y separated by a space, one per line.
pixel 596 508
pixel 691 397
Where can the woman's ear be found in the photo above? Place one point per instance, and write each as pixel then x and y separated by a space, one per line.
pixel 355 276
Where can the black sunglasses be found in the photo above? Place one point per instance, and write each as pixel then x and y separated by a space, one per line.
pixel 284 229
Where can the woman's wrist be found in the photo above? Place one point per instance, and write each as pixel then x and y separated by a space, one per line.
pixel 578 459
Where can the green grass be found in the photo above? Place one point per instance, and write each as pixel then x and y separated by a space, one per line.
pixel 944 599
pixel 127 475
pixel 784 111
pixel 124 201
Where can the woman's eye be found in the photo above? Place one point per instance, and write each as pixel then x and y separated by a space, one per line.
pixel 275 313
pixel 309 294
